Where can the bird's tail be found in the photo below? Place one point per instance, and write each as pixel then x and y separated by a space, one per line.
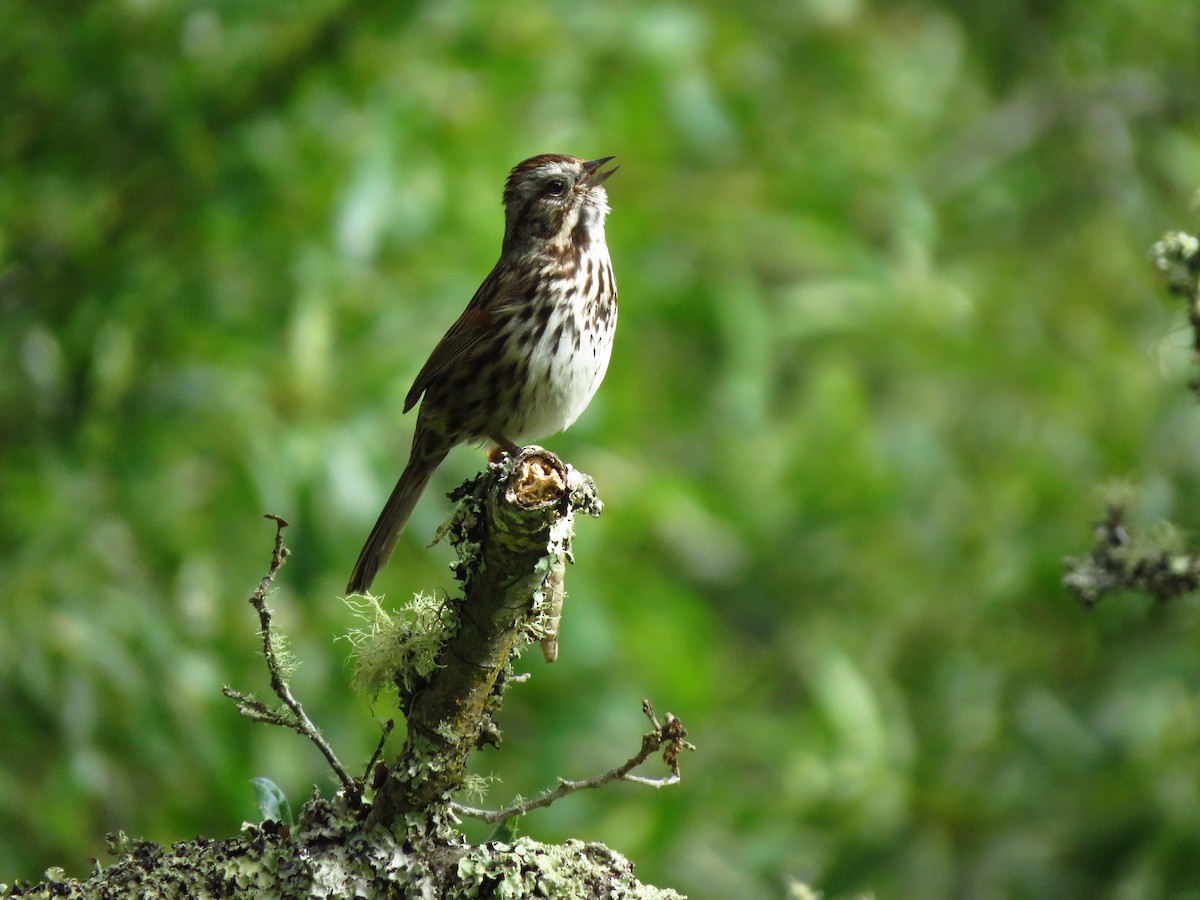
pixel 382 539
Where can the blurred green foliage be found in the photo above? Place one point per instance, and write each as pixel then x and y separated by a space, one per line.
pixel 886 323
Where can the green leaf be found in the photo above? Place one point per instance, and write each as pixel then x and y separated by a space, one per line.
pixel 272 804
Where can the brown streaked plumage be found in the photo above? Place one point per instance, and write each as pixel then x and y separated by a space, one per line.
pixel 528 353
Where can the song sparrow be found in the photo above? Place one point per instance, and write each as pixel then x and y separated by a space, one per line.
pixel 530 349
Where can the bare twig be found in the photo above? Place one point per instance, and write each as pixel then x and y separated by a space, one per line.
pixel 669 736
pixel 296 719
pixel 387 730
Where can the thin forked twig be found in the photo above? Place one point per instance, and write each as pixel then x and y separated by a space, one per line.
pixel 258 711
pixel 669 736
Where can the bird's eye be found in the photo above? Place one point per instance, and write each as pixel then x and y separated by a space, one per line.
pixel 556 187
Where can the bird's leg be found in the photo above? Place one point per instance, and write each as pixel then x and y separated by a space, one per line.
pixel 503 445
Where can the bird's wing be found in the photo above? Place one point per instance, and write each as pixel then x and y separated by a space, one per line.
pixel 472 326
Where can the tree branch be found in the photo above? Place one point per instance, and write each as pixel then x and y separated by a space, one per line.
pixel 671 734
pixel 1153 565
pixel 1177 259
pixel 1121 559
pixel 512 531
pixel 513 534
pixel 295 717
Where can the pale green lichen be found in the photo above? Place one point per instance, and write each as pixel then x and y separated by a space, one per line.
pixel 285 659
pixel 1177 257
pixel 570 871
pixel 547 600
pixel 402 645
pixel 476 786
pixel 333 858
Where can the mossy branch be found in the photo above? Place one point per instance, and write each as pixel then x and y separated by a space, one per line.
pixel 513 532
pixel 1122 559
pixel 1177 259
pixel 1155 564
pixel 326 855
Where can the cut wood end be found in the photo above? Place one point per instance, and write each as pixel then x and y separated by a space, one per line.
pixel 539 479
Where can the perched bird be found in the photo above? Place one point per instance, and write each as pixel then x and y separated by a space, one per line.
pixel 531 348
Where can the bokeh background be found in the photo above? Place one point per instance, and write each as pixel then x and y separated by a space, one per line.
pixel 887 323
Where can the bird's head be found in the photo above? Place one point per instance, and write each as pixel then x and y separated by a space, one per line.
pixel 557 200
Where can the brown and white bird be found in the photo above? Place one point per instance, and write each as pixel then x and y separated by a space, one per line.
pixel 531 348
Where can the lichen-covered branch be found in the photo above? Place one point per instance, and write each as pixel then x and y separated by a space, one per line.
pixel 1155 565
pixel 1177 258
pixel 327 856
pixel 512 532
pixel 1121 559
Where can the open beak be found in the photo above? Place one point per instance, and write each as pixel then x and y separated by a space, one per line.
pixel 592 176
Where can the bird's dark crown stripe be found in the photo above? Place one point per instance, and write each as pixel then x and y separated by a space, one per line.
pixel 536 162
